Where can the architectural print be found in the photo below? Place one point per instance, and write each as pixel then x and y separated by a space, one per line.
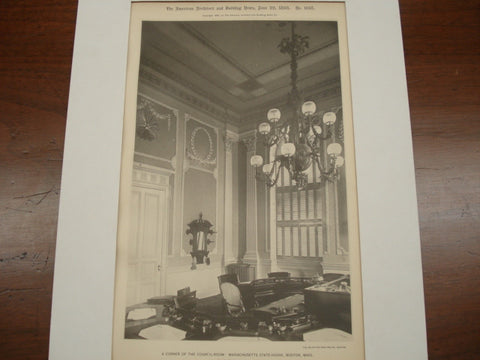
pixel 239 215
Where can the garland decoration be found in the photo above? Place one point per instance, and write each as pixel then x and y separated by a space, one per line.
pixel 148 120
pixel 210 158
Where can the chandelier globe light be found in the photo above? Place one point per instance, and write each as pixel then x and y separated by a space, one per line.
pixel 304 138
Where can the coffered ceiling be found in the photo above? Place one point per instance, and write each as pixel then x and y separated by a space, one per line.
pixel 237 65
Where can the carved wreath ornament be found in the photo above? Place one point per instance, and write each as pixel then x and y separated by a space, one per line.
pixel 210 158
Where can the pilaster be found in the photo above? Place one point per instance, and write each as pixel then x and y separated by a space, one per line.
pixel 230 139
pixel 251 253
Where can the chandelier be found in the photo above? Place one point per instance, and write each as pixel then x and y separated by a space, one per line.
pixel 304 138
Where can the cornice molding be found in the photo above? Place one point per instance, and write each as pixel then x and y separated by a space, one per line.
pixel 177 91
pixel 203 101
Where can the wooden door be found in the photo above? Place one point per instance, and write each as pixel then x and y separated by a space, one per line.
pixel 148 215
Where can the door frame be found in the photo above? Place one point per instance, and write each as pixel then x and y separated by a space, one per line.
pixel 153 178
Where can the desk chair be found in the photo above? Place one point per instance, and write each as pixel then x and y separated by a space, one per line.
pixel 233 299
pixel 228 278
pixel 185 299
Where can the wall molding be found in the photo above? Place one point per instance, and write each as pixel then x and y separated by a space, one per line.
pixel 147 175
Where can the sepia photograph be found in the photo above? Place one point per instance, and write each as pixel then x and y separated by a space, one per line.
pixel 238 216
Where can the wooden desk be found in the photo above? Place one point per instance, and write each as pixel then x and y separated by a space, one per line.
pixel 442 55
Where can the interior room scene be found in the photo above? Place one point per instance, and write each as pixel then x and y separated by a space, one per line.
pixel 238 209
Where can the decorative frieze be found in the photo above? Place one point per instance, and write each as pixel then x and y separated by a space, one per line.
pixel 182 95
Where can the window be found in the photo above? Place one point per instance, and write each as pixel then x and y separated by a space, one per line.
pixel 299 216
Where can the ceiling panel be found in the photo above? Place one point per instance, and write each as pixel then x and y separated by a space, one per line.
pixel 238 63
pixel 253 45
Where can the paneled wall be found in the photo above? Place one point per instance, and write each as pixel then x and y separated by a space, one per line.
pixel 187 142
pixel 187 145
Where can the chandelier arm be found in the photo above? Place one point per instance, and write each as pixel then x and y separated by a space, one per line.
pixel 271 178
pixel 290 166
pixel 323 138
pixel 313 148
pixel 272 141
pixel 277 176
pixel 320 166
pixel 276 133
pixel 333 168
pixel 328 132
pixel 267 140
pixel 315 133
pixel 259 175
pixel 331 174
pixel 283 128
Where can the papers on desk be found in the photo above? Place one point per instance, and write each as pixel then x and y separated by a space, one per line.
pixel 141 314
pixel 243 338
pixel 327 335
pixel 162 332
